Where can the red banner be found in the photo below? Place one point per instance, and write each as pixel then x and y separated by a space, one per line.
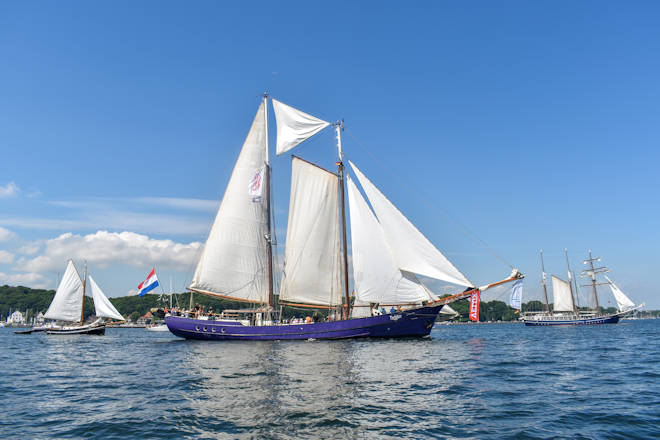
pixel 474 305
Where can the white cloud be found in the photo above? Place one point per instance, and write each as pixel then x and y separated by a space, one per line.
pixel 9 190
pixel 6 257
pixel 105 248
pixel 5 234
pixel 33 280
pixel 31 248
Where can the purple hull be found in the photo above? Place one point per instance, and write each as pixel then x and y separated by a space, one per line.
pixel 410 323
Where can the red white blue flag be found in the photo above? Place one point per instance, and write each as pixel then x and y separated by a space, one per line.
pixel 149 284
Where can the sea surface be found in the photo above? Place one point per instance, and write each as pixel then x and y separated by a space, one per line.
pixel 467 381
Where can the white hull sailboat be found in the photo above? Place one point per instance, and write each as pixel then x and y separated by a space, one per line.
pixel 69 303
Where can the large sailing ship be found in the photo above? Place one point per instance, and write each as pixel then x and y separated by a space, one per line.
pixel 565 309
pixel 389 252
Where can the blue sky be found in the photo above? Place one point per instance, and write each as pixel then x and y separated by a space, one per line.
pixel 532 124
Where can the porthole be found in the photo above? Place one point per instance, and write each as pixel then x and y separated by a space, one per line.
pixel 223 330
pixel 213 329
pixel 205 329
pixel 197 327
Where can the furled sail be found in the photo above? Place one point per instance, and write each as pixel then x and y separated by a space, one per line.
pixel 234 261
pixel 563 298
pixel 103 306
pixel 294 126
pixel 413 252
pixel 311 259
pixel 67 303
pixel 622 300
pixel 376 276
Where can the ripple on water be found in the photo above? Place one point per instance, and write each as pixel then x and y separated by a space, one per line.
pixel 499 381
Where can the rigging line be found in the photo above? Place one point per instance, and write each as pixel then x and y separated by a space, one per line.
pixel 462 228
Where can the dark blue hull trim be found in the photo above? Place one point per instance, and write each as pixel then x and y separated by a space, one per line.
pixel 410 323
pixel 609 319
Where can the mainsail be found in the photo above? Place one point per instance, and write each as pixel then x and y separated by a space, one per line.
pixel 413 252
pixel 234 261
pixel 622 300
pixel 67 303
pixel 376 276
pixel 103 306
pixel 563 298
pixel 311 263
pixel 294 126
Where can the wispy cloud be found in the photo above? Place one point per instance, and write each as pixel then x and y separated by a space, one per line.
pixel 180 203
pixel 6 234
pixel 34 280
pixel 10 190
pixel 6 257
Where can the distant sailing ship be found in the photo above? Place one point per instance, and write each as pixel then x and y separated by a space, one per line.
pixel 565 308
pixel 69 303
pixel 388 251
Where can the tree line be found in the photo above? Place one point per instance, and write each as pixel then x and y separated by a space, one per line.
pixel 37 300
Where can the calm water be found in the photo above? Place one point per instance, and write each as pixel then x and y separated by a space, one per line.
pixel 487 381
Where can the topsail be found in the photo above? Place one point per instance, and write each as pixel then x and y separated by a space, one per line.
pixel 294 126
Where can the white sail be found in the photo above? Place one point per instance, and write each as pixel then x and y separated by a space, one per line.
pixel 413 252
pixel 103 306
pixel 234 263
pixel 67 303
pixel 622 300
pixel 294 126
pixel 376 276
pixel 563 298
pixel 311 260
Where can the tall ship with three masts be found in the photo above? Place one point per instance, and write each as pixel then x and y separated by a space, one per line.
pixel 388 251
pixel 565 309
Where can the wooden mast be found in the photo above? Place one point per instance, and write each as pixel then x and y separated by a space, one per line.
pixel 339 126
pixel 82 312
pixel 570 283
pixel 269 241
pixel 545 289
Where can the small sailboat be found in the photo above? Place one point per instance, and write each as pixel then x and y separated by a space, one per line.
pixel 69 303
pixel 388 251
pixel 565 309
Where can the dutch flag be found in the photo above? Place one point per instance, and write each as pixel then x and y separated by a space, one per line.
pixel 149 284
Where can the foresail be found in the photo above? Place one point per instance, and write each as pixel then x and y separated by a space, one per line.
pixel 103 306
pixel 412 251
pixel 67 303
pixel 622 300
pixel 563 298
pixel 294 126
pixel 234 261
pixel 376 276
pixel 311 264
